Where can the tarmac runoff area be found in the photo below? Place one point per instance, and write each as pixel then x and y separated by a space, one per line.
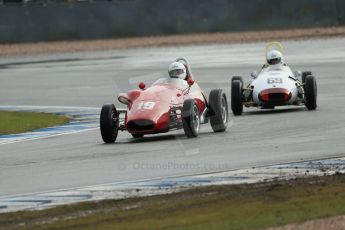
pixel 258 146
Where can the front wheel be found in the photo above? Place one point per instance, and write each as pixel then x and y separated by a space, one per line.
pixel 237 78
pixel 190 118
pixel 109 123
pixel 236 97
pixel 219 106
pixel 305 74
pixel 310 89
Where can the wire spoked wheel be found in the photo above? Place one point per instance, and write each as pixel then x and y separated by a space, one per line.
pixel 191 118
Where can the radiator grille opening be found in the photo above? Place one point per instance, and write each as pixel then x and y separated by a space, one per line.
pixel 140 125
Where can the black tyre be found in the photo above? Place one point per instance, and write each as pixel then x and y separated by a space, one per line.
pixel 237 78
pixel 109 123
pixel 236 97
pixel 305 74
pixel 219 106
pixel 310 89
pixel 137 135
pixel 190 118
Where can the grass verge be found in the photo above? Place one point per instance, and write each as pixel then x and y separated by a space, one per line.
pixel 20 122
pixel 245 206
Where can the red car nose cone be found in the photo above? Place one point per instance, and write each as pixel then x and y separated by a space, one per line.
pixel 275 96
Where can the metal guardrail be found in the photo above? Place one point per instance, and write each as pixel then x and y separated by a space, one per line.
pixel 48 1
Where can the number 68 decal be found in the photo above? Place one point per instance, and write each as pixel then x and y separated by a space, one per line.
pixel 273 80
pixel 146 105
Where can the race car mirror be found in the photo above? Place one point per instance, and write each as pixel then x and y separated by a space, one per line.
pixel 298 73
pixel 254 74
pixel 142 85
pixel 190 82
pixel 123 99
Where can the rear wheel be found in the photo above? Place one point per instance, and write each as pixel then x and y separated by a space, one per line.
pixel 236 97
pixel 310 89
pixel 109 123
pixel 190 118
pixel 219 106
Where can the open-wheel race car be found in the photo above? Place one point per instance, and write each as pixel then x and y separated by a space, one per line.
pixel 275 85
pixel 171 103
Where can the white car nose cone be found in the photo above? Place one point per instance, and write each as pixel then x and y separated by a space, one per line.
pixel 275 96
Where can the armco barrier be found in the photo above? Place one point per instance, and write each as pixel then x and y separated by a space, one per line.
pixel 122 18
pixel 340 6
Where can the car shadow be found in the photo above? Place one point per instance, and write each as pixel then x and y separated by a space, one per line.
pixel 274 111
pixel 158 138
pixel 155 138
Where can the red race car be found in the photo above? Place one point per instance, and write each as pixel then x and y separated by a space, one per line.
pixel 169 104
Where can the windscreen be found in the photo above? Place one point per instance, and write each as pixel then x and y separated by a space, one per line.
pixel 178 83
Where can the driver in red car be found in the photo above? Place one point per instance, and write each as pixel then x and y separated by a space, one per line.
pixel 179 70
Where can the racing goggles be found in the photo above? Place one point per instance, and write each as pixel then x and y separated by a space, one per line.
pixel 176 72
pixel 274 61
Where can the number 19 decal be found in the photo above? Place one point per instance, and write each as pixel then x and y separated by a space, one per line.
pixel 146 105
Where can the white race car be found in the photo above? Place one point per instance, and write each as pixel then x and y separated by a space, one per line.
pixel 275 85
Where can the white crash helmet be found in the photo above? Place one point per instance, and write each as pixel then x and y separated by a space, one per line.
pixel 177 70
pixel 274 57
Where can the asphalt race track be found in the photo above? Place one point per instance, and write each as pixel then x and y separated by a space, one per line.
pixel 259 137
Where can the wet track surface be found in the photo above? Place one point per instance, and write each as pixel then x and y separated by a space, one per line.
pixel 259 137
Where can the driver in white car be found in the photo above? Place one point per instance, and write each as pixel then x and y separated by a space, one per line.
pixel 274 58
